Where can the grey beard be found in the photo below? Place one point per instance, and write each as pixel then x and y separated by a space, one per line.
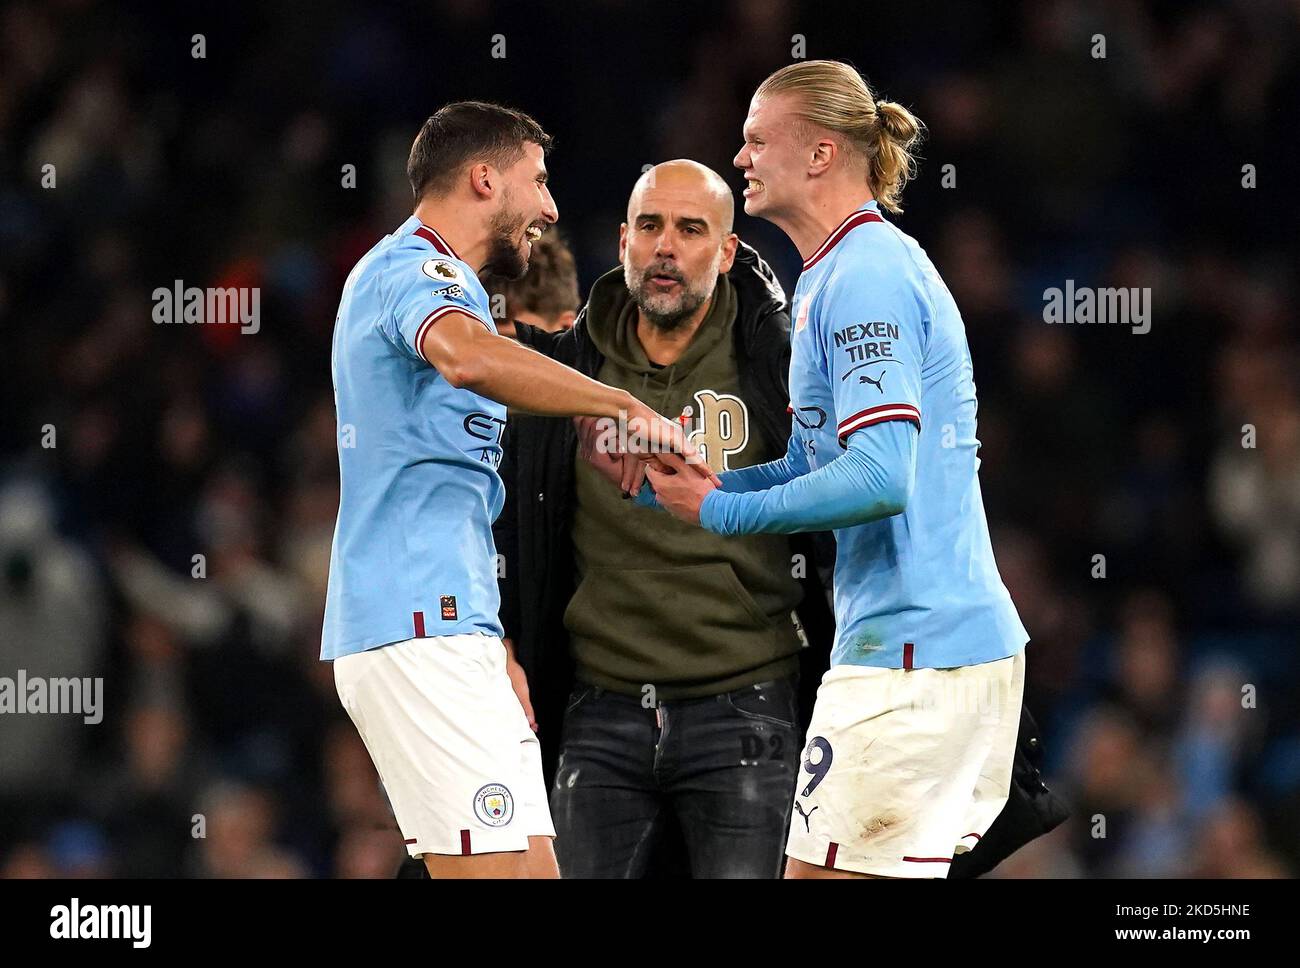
pixel 667 322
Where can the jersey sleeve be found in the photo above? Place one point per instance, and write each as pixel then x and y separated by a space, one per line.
pixel 424 291
pixel 872 479
pixel 745 480
pixel 760 476
pixel 873 334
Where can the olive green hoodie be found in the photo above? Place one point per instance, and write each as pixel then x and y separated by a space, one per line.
pixel 661 602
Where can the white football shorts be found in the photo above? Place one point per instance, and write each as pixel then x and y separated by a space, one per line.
pixel 461 767
pixel 905 768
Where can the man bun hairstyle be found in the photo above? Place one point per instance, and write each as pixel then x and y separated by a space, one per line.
pixel 832 95
pixel 468 132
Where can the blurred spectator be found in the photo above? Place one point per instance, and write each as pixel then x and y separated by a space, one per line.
pixel 28 861
pixel 1255 491
pixel 1110 773
pixel 52 625
pixel 1145 683
pixel 79 849
pixel 239 837
pixel 1218 732
pixel 147 807
pixel 1230 844
pixel 547 296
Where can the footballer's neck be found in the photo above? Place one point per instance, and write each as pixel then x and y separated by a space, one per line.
pixel 813 222
pixel 469 238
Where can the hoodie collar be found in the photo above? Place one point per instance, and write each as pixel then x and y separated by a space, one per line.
pixel 611 323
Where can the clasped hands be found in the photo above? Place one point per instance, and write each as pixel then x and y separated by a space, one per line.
pixel 648 446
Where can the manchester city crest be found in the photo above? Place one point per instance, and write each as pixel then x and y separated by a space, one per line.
pixel 494 805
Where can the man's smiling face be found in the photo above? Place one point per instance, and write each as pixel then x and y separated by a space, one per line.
pixel 526 209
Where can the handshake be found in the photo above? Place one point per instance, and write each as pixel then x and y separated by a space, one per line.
pixel 642 445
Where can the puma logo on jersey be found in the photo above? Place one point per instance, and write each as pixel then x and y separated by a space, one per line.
pixel 807 817
pixel 722 427
pixel 876 382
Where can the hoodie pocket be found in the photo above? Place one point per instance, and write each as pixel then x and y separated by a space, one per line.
pixel 670 625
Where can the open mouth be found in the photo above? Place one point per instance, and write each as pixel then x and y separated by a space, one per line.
pixel 755 187
pixel 532 234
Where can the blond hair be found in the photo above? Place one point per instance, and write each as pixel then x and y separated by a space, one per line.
pixel 832 95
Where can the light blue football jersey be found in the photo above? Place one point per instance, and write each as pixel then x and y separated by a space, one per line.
pixel 413 554
pixel 878 337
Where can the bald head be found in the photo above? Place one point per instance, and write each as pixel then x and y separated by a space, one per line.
pixel 685 185
pixel 676 241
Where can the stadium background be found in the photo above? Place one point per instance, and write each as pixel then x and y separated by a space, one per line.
pixel 228 170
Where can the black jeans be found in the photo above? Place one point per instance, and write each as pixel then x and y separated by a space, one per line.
pixel 724 765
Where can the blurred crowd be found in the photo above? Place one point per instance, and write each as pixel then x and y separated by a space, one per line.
pixel 167 492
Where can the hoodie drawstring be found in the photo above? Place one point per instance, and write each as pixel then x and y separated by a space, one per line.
pixel 672 371
pixel 663 401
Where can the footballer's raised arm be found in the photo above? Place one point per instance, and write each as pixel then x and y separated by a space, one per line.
pixel 471 357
